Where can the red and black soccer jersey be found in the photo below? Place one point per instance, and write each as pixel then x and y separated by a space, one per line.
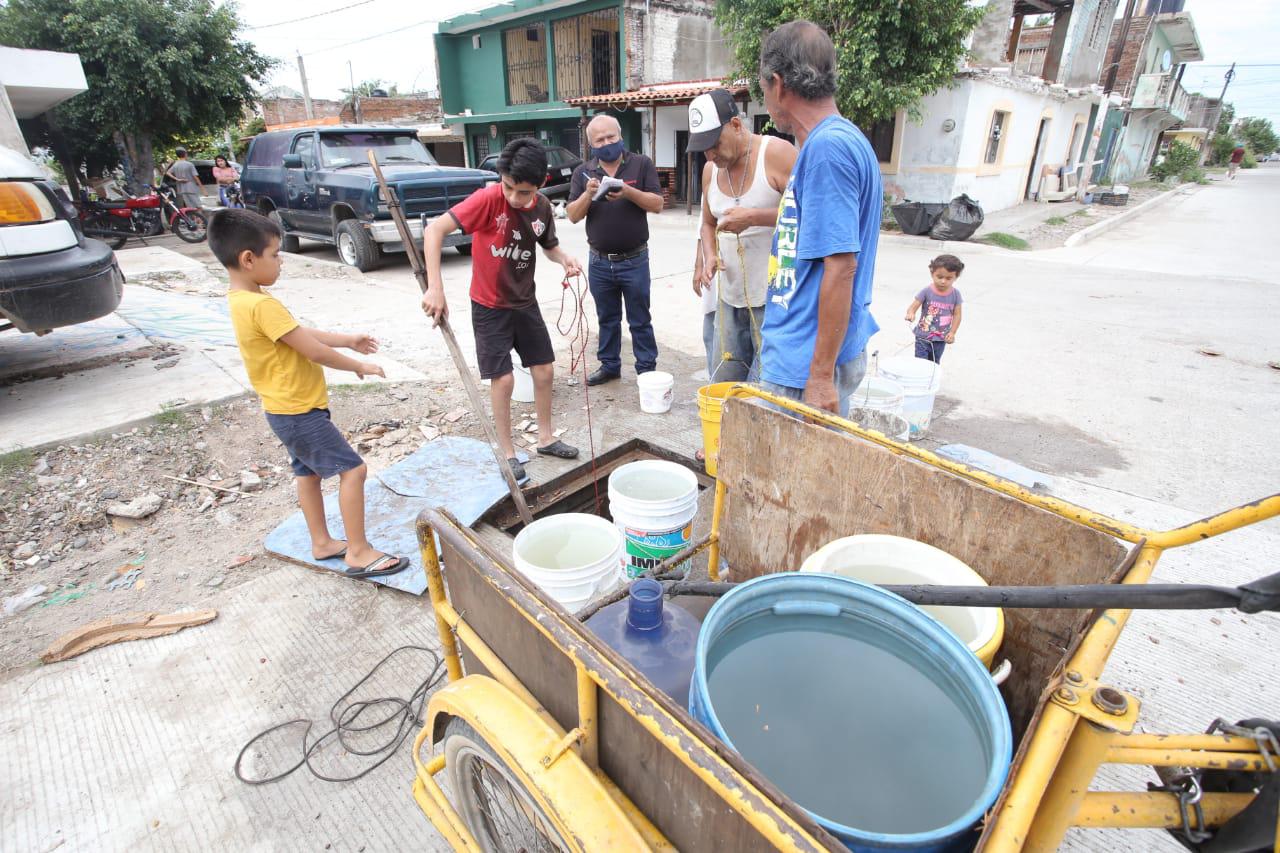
pixel 503 249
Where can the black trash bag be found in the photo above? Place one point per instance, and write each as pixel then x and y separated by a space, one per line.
pixel 917 217
pixel 962 217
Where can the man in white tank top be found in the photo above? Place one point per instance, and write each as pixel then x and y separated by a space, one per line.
pixel 742 185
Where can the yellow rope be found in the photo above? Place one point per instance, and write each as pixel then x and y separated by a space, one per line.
pixel 726 353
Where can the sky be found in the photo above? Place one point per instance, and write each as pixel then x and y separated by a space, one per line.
pixel 391 40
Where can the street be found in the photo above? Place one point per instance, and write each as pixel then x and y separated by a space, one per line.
pixel 1128 370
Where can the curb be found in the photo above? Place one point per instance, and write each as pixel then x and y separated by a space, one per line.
pixel 1083 236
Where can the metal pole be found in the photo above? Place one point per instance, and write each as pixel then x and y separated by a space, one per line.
pixel 355 98
pixel 306 91
pixel 468 382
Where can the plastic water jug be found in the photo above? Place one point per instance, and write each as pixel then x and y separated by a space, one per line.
pixel 659 641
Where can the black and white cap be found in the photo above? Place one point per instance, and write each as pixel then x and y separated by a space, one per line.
pixel 708 114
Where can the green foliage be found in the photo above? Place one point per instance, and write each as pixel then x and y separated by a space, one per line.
pixel 15 461
pixel 888 222
pixel 1225 118
pixel 244 133
pixel 161 71
pixel 170 415
pixel 1056 220
pixel 1249 161
pixel 365 89
pixel 1220 148
pixel 890 53
pixel 1258 135
pixel 1005 241
pixel 1181 162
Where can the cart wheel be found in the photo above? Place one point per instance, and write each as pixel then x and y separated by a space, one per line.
pixel 497 808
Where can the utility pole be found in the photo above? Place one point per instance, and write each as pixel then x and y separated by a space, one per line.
pixel 306 92
pixel 355 97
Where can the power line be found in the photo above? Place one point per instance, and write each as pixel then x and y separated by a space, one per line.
pixel 309 17
pixel 374 36
pixel 1234 65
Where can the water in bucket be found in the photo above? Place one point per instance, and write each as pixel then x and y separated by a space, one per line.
pixel 854 732
pixel 570 551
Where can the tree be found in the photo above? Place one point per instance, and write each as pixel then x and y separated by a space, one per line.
pixel 365 89
pixel 889 53
pixel 1225 118
pixel 159 71
pixel 1257 134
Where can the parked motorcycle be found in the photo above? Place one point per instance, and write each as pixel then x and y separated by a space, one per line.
pixel 114 222
pixel 234 197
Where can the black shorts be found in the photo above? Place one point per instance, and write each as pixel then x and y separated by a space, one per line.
pixel 498 331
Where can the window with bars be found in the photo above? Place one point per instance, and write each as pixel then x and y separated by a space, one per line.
pixel 998 122
pixel 525 50
pixel 586 54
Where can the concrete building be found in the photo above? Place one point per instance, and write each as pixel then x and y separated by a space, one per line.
pixel 33 82
pixel 283 112
pixel 554 53
pixel 1017 122
pixel 1153 53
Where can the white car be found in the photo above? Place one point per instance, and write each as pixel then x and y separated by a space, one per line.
pixel 51 275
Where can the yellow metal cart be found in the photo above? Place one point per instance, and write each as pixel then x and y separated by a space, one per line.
pixel 550 741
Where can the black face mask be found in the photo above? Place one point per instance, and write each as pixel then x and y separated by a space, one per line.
pixel 608 153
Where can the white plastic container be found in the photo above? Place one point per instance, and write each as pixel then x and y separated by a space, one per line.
pixel 879 559
pixel 920 380
pixel 877 405
pixel 573 557
pixel 655 391
pixel 523 392
pixel 653 503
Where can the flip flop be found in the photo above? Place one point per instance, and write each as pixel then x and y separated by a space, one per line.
pixel 382 566
pixel 559 449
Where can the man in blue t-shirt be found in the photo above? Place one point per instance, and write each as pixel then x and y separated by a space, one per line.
pixel 817 318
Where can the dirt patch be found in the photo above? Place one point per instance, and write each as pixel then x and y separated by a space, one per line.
pixel 55 531
pixel 1057 228
pixel 1049 446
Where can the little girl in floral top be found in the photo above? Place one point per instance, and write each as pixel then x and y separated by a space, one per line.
pixel 939 305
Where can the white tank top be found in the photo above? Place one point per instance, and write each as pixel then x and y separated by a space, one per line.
pixel 757 241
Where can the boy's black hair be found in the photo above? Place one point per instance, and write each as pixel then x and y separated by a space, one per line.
pixel 232 230
pixel 181 152
pixel 947 262
pixel 524 161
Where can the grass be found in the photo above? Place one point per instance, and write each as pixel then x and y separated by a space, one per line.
pixel 171 416
pixel 1056 220
pixel 15 461
pixel 1005 241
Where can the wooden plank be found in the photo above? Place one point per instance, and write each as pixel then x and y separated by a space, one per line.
pixel 793 487
pixel 122 629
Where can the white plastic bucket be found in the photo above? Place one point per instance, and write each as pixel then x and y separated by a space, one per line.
pixel 655 391
pixel 523 392
pixel 920 380
pixel 573 557
pixel 653 504
pixel 879 559
pixel 877 405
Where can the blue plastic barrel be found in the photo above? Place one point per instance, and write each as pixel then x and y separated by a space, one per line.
pixel 896 631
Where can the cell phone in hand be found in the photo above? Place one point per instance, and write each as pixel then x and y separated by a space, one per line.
pixel 607 185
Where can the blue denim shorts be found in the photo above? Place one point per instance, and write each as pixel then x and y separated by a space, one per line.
pixel 316 447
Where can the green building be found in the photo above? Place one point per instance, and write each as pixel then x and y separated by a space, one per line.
pixel 509 70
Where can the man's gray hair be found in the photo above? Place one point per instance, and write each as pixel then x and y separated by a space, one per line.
pixel 803 57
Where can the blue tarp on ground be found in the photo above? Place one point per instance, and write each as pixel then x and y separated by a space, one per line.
pixel 459 474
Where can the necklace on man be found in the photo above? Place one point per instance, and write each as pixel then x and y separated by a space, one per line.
pixel 742 184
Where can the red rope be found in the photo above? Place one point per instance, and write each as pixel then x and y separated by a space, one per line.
pixel 578 331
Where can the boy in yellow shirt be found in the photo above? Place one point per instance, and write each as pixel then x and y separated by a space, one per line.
pixel 284 361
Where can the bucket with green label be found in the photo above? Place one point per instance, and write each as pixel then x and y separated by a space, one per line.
pixel 653 503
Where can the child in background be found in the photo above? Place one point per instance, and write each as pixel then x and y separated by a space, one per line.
pixel 939 305
pixel 283 360
pixel 507 220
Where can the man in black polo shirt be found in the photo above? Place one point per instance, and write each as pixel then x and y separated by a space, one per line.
pixel 618 232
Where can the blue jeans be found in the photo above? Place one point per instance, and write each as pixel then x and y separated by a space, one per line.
pixel 708 341
pixel 848 377
pixel 614 284
pixel 931 350
pixel 735 333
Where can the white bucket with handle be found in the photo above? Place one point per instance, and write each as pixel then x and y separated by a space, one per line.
pixel 655 391
pixel 573 557
pixel 920 380
pixel 523 392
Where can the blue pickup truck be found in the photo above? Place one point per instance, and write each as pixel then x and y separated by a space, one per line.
pixel 316 183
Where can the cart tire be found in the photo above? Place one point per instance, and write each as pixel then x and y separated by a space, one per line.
pixel 496 806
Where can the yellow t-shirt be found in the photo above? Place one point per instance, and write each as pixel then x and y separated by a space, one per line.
pixel 287 382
